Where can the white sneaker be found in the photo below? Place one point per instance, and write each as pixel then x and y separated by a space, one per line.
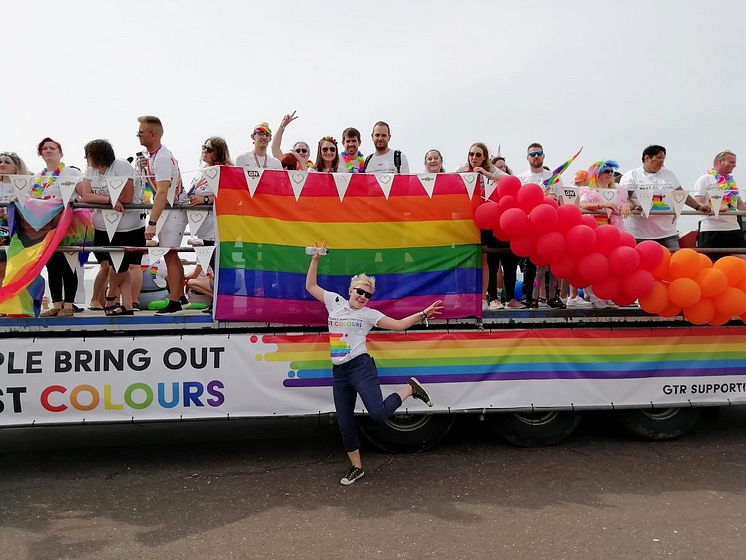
pixel 515 304
pixel 485 305
pixel 543 304
pixel 495 305
pixel 577 302
pixel 599 304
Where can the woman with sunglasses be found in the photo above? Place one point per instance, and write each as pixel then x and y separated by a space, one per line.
pixel 434 162
pixel 354 370
pixel 327 156
pixel 300 149
pixel 10 164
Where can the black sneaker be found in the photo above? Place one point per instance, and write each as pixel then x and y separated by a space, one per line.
pixel 419 392
pixel 183 300
pixel 136 305
pixel 556 303
pixel 208 309
pixel 172 307
pixel 352 476
pixel 77 309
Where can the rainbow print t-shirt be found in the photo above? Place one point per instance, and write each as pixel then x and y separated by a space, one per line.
pixel 348 327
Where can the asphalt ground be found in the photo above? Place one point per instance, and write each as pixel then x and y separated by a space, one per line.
pixel 269 489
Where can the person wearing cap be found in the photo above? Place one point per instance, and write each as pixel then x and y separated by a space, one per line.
pixel 581 178
pixel 258 158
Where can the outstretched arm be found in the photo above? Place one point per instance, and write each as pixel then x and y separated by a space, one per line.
pixel 311 286
pixel 277 138
pixel 403 324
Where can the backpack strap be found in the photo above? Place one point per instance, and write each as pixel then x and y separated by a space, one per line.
pixel 397 160
pixel 365 165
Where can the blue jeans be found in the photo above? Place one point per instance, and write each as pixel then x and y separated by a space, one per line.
pixel 668 242
pixel 359 376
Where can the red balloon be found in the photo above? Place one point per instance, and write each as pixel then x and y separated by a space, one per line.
pixel 543 219
pixel 499 233
pixel 508 201
pixel 607 239
pixel 589 221
pixel 549 200
pixel 624 299
pixel 529 196
pixel 550 246
pixel 608 288
pixel 566 267
pixel 508 186
pixel 623 261
pixel 537 260
pixel 651 254
pixel 568 216
pixel 579 282
pixel 671 311
pixel 487 215
pixel 638 284
pixel 594 266
pixel 514 222
pixel 581 240
pixel 523 246
pixel 627 239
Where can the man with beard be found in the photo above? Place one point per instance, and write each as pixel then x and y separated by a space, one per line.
pixel 385 160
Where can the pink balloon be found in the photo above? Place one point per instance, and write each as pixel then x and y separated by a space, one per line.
pixel 487 215
pixel 566 267
pixel 508 186
pixel 627 239
pixel 608 288
pixel 651 254
pixel 507 202
pixel 638 284
pixel 607 239
pixel 568 216
pixel 514 222
pixel 529 196
pixel 549 200
pixel 623 261
pixel 589 221
pixel 550 246
pixel 523 246
pixel 543 219
pixel 580 240
pixel 594 266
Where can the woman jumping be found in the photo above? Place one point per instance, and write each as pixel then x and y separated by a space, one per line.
pixel 354 370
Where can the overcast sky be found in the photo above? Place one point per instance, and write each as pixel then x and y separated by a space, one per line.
pixel 610 76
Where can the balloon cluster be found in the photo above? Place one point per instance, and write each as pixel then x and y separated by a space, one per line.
pixel 572 244
pixel 707 293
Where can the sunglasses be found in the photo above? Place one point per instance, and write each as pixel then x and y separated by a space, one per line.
pixel 208 149
pixel 301 150
pixel 362 292
pixel 474 154
pixel 607 172
pixel 535 154
pixel 329 149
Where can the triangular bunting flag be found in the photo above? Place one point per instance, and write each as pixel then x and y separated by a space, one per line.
pixel 489 187
pixel 161 221
pixel 196 218
pixel 384 181
pixel 297 180
pixel 204 254
pixel 645 198
pixel 116 257
pixel 172 190
pixel 342 181
pixel 569 195
pixel 716 200
pixel 470 182
pixel 212 174
pixel 67 187
pixel 21 185
pixel 428 182
pixel 677 200
pixel 253 176
pixel 111 221
pixel 72 260
pixel 155 253
pixel 116 186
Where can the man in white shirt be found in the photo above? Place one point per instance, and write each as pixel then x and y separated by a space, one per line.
pixel 724 230
pixel 653 176
pixel 385 160
pixel 536 173
pixel 259 158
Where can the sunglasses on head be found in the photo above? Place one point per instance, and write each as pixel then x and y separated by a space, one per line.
pixel 301 150
pixel 362 292
pixel 208 149
pixel 476 154
pixel 331 149
pixel 536 154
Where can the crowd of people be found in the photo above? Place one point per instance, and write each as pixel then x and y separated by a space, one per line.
pixel 118 288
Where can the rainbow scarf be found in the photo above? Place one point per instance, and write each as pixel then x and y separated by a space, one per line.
pixel 560 170
pixel 728 184
pixel 148 184
pixel 22 287
pixel 419 248
pixel 354 165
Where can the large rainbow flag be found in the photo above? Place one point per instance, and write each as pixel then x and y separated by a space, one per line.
pixel 419 248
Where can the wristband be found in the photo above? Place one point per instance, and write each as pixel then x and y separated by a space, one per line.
pixel 152 223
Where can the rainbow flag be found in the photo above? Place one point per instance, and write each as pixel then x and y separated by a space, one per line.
pixel 557 173
pixel 23 288
pixel 419 248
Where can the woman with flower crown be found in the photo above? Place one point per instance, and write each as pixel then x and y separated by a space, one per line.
pixel 327 156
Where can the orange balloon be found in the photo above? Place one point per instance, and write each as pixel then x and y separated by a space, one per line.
pixel 712 281
pixel 701 312
pixel 671 311
pixel 734 268
pixel 719 319
pixel 742 286
pixel 684 292
pixel 661 271
pixel 657 300
pixel 706 261
pixel 731 302
pixel 685 263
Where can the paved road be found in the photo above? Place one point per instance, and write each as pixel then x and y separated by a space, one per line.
pixel 224 490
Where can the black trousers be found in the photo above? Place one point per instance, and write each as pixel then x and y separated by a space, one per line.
pixel 510 265
pixel 60 276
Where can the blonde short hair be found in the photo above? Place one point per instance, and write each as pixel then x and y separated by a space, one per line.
pixel 363 278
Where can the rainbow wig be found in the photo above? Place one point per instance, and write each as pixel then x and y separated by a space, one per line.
pixel 596 168
pixel 262 127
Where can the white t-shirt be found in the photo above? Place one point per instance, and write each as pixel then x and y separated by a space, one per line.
pixel 53 188
pixel 348 327
pixel 164 166
pixel 343 166
pixel 723 222
pixel 132 219
pixel 539 178
pixel 654 227
pixel 153 274
pixel 250 161
pixel 385 164
pixel 6 191
pixel 201 188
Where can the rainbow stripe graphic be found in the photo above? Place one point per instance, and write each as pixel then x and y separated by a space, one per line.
pixel 419 248
pixel 460 357
pixel 339 347
pixel 660 204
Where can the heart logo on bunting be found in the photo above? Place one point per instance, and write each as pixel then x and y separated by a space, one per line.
pixel 116 183
pixel 385 179
pixel 211 172
pixel 21 186
pixel 298 178
pixel 342 181
pixel 609 195
pixel 195 218
pixel 469 180
pixel 112 217
pixel 679 196
pixel 20 182
pixel 156 253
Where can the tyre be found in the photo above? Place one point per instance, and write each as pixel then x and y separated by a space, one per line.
pixel 406 433
pixel 534 429
pixel 659 424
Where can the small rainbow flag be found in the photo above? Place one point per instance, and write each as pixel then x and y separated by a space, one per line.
pixel 560 170
pixel 419 248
